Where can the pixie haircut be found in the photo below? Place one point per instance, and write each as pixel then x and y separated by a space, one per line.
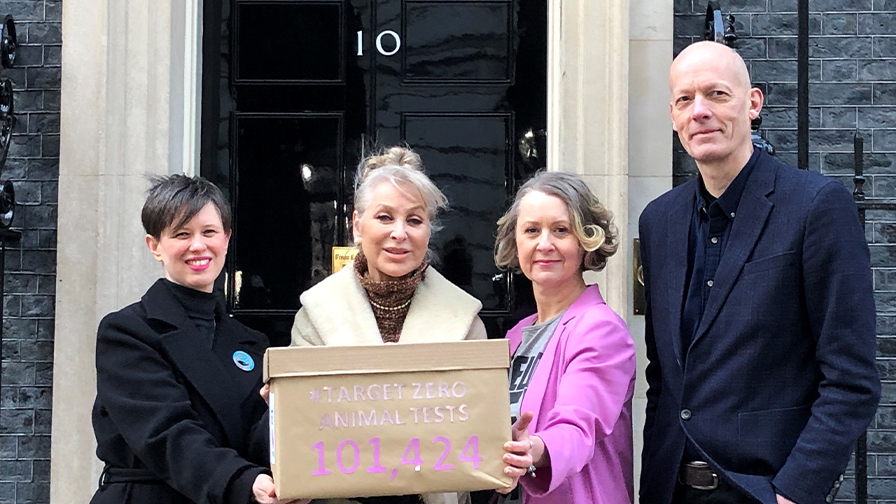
pixel 591 222
pixel 174 200
pixel 403 168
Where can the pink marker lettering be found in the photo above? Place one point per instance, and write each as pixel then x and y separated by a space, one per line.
pixel 414 449
pixel 472 446
pixel 376 467
pixel 357 454
pixel 439 463
pixel 321 470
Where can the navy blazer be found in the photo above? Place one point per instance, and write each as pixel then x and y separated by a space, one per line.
pixel 173 409
pixel 779 379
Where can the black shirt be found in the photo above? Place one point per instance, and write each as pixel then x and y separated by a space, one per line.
pixel 711 223
pixel 200 308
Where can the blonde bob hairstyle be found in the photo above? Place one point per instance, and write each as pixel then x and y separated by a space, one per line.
pixel 402 167
pixel 591 222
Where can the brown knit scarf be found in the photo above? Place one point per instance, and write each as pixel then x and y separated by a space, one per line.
pixel 389 300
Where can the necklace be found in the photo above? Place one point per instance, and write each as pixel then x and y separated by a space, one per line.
pixel 391 308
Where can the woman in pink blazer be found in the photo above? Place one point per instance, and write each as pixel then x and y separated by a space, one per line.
pixel 573 362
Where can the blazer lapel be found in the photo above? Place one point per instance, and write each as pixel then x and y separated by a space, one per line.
pixel 535 392
pixel 206 373
pixel 230 338
pixel 538 384
pixel 189 352
pixel 440 311
pixel 339 310
pixel 515 335
pixel 677 228
pixel 752 212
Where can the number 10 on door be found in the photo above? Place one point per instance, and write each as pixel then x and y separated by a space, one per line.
pixel 379 42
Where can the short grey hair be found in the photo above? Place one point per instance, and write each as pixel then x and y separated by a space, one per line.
pixel 591 222
pixel 402 167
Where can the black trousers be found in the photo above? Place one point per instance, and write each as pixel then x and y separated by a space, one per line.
pixel 724 494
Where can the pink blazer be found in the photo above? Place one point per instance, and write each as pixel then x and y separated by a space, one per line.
pixel 581 397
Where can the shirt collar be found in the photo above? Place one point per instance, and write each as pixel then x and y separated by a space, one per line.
pixel 730 199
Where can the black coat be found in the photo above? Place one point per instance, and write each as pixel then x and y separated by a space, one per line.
pixel 183 421
pixel 779 379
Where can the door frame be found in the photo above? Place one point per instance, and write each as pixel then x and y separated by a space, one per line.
pixel 129 103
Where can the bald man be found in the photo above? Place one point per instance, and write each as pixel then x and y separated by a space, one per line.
pixel 760 324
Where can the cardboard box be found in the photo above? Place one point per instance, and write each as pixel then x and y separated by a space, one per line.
pixel 365 421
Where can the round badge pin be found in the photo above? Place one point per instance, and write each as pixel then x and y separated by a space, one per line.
pixel 243 360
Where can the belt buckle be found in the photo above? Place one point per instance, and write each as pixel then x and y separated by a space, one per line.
pixel 700 465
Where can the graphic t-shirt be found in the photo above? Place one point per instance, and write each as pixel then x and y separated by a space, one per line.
pixel 522 367
pixel 525 360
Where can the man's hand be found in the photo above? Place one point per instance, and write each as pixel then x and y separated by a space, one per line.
pixel 784 500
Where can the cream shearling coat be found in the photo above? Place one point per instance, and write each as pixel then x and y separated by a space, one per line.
pixel 336 312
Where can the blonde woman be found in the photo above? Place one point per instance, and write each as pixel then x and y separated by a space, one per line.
pixel 390 294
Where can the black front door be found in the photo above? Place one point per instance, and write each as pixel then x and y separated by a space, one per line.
pixel 296 92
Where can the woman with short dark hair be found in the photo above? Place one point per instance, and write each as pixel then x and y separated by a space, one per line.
pixel 177 415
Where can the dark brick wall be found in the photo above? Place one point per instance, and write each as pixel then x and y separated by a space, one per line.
pixel 28 304
pixel 852 72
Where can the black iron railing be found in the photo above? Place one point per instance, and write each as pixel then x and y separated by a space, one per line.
pixel 863 204
pixel 8 44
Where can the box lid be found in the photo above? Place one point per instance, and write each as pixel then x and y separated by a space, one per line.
pixel 389 358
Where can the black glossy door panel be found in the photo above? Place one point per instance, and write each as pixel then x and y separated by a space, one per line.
pixel 437 51
pixel 468 159
pixel 270 48
pixel 285 197
pixel 295 92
